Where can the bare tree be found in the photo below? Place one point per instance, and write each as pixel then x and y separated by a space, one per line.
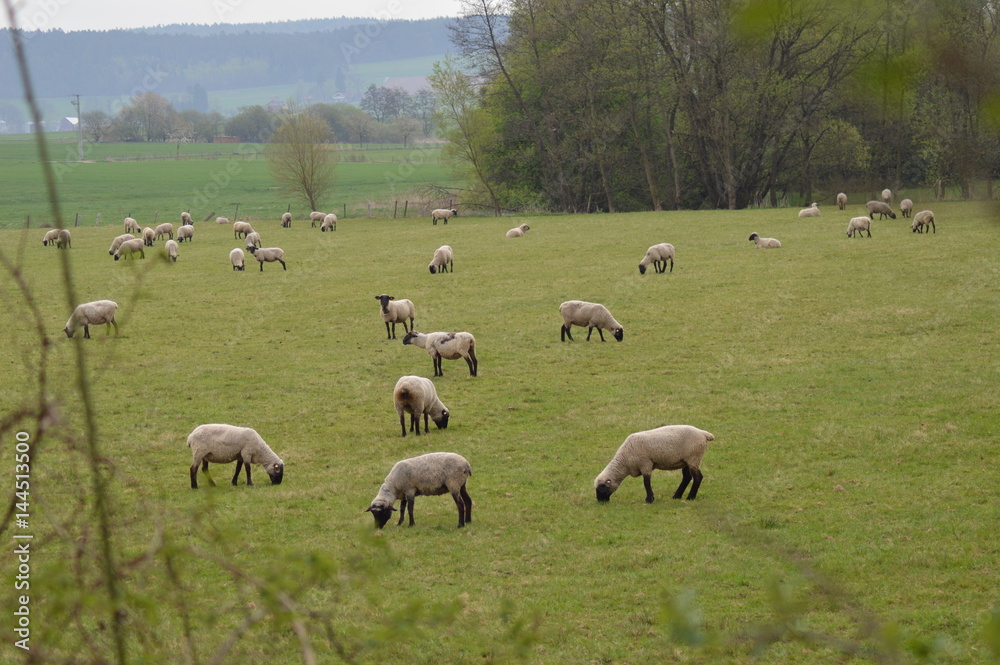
pixel 97 123
pixel 300 158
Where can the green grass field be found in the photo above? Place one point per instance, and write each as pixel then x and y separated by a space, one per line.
pixel 851 385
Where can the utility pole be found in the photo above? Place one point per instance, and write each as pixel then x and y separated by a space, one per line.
pixel 79 126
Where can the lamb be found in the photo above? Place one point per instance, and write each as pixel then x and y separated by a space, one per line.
pixel 906 207
pixel 841 201
pixel 316 216
pixel 811 211
pixel 668 447
pixel 241 227
pixel 589 314
pixel 923 219
pixel 269 254
pixel 764 243
pixel 887 196
pixel 417 396
pixel 222 444
pixel 165 229
pixel 92 313
pixel 221 220
pixel 148 235
pixel 116 243
pixel 859 224
pixel 881 208
pixel 186 232
pixel 518 232
pixel 171 248
pixel 329 222
pixel 431 475
pixel 236 258
pixel 64 240
pixel 130 247
pixel 446 345
pixel 50 237
pixel 286 220
pixel 186 219
pixel 253 239
pixel 443 213
pixel 442 257
pixel 396 311
pixel 131 226
pixel 658 255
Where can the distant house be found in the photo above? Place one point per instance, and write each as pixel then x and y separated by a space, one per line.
pixel 411 84
pixel 3 126
pixel 69 124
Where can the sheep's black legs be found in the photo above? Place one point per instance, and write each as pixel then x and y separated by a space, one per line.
pixel 671 265
pixel 564 333
pixel 460 504
pixel 410 504
pixel 599 332
pixel 115 324
pixel 194 476
pixel 387 334
pixel 427 429
pixel 249 482
pixel 283 266
pixel 402 511
pixel 696 473
pixel 685 479
pixel 438 368
pixel 473 363
pixel 86 331
pixel 414 423
pixel 239 467
pixel 646 477
pixel 468 504
pixel 402 423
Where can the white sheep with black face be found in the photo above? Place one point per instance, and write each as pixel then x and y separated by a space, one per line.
pixel 186 232
pixel 443 257
pixel 117 242
pixel 764 243
pixel 589 315
pixel 236 258
pixel 171 247
pixel 923 220
pixel 130 247
pixel 906 207
pixel 518 231
pixel 242 229
pixel 841 201
pixel 443 214
pixel 268 254
pixel 329 223
pixel 286 220
pixel 98 312
pixel 165 229
pixel 811 211
pixel 316 216
pixel 50 237
pixel 881 208
pixel 658 255
pixel 447 346
pixel 417 396
pixel 223 444
pixel 432 474
pixel 859 224
pixel 131 226
pixel 395 311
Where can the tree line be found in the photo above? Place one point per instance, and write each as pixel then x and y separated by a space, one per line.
pixel 583 105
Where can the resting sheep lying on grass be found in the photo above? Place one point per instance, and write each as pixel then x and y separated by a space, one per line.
pixel 222 444
pixel 764 243
pixel 429 475
pixel 95 313
pixel 518 231
pixel 812 211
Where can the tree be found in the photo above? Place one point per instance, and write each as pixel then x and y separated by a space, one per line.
pixel 406 126
pixel 384 104
pixel 360 124
pixel 300 159
pixel 148 117
pixel 97 123
pixel 253 124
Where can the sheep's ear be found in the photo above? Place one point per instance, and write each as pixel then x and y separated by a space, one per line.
pixel 368 509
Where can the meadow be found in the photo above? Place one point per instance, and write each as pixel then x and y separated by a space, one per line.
pixel 848 510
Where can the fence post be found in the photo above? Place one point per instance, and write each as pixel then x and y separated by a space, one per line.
pixel 345 211
pixel 27 222
pixel 369 210
pixel 77 221
pixel 405 205
pixel 394 209
pixel 97 222
pixel 236 215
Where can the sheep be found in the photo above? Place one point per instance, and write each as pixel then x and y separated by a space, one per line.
pixel 165 229
pixel 269 254
pixel 396 311
pixel 906 207
pixel 842 201
pixel 764 243
pixel 329 222
pixel 432 474
pixel 253 239
pixel 887 196
pixel 221 220
pixel 859 224
pixel 64 240
pixel 811 211
pixel 186 219
pixel 442 257
pixel 286 220
pixel 116 243
pixel 881 208
pixel 417 396
pixel 186 232
pixel 130 247
pixel 589 314
pixel 446 345
pixel 236 258
pixel 442 213
pixel 94 313
pixel 241 227
pixel 922 220
pixel 222 444
pixel 148 236
pixel 50 237
pixel 131 226
pixel 667 447
pixel 658 255
pixel 518 232
pixel 316 216
pixel 171 247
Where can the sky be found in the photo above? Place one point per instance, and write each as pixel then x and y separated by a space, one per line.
pixel 108 14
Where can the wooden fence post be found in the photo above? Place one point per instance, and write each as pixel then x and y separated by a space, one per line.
pixel 405 205
pixel 394 209
pixel 77 221
pixel 97 222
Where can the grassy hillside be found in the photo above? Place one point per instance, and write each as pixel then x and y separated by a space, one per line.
pixel 851 386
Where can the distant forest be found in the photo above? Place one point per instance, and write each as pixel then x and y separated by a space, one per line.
pixel 176 59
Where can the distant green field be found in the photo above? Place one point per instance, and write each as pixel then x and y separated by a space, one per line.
pixel 850 496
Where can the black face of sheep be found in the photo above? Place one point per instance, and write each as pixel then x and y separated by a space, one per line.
pixel 382 514
pixel 409 337
pixel 276 472
pixel 753 236
pixel 442 422
pixel 619 334
pixel 604 491
pixel 433 269
pixel 642 270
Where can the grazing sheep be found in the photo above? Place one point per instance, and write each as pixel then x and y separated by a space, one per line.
pixel 887 196
pixel 130 247
pixel 222 444
pixel 93 313
pixel 430 475
pixel 906 207
pixel 148 236
pixel 236 258
pixel 221 220
pixel 764 243
pixel 811 211
pixel 396 311
pixel 253 239
pixel 64 240
pixel 329 222
pixel 668 447
pixel 186 219
pixel 881 208
pixel 923 219
pixel 316 216
pixel 242 227
pixel 186 232
pixel 165 229
pixel 171 247
pixel 859 224
pixel 50 237
pixel 589 314
pixel 448 346
pixel 269 254
pixel 443 213
pixel 131 226
pixel 518 232
pixel 442 257
pixel 117 242
pixel 658 255
pixel 286 220
pixel 417 396
pixel 841 201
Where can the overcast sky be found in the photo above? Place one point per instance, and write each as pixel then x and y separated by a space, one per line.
pixel 108 14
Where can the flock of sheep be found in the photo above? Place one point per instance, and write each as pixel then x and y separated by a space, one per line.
pixel 923 220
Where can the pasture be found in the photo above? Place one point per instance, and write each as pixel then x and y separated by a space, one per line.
pixel 852 386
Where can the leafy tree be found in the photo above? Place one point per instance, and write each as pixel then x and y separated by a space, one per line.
pixel 384 104
pixel 253 124
pixel 300 159
pixel 361 125
pixel 97 124
pixel 147 117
